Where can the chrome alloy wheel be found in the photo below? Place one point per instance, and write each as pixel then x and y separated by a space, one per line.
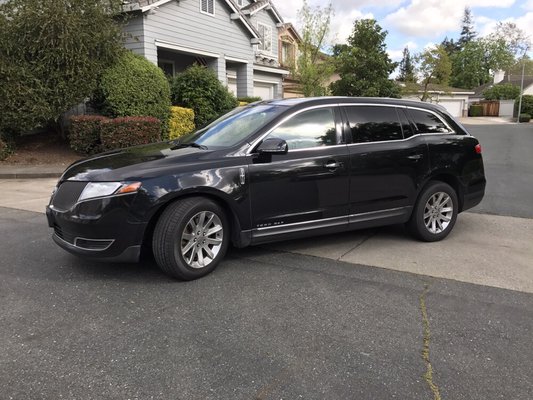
pixel 438 212
pixel 202 239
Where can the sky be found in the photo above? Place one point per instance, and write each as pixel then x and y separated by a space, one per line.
pixel 416 23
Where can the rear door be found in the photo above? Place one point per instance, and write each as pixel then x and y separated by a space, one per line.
pixel 387 162
pixel 307 188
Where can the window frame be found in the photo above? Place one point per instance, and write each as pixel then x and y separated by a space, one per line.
pixel 418 131
pixel 207 3
pixel 167 61
pixel 271 51
pixel 338 129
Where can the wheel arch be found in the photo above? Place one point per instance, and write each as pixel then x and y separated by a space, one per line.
pixel 235 225
pixel 451 180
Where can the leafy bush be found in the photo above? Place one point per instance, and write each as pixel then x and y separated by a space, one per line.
pixel 199 88
pixel 134 87
pixel 5 149
pixel 476 110
pixel 84 136
pixel 181 122
pixel 129 131
pixel 524 118
pixel 527 105
pixel 504 91
pixel 249 99
pixel 51 55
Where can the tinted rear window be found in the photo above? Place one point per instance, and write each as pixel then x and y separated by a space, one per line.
pixel 373 123
pixel 427 122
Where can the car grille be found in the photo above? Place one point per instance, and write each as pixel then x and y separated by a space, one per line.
pixel 65 236
pixel 67 195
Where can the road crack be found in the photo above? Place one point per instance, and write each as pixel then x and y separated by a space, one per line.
pixel 428 375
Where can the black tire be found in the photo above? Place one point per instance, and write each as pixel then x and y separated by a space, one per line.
pixel 173 234
pixel 434 227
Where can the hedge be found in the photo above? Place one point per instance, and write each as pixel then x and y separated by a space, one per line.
pixel 181 122
pixel 524 118
pixel 249 99
pixel 527 105
pixel 5 149
pixel 476 110
pixel 134 87
pixel 84 136
pixel 129 131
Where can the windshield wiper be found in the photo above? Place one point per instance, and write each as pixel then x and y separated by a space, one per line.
pixel 182 145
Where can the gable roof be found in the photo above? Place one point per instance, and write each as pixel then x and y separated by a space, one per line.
pixel 515 80
pixel 237 13
pixel 434 88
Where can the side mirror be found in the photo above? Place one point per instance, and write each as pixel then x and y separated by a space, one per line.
pixel 273 146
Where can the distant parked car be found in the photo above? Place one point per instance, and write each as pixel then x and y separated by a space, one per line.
pixel 271 171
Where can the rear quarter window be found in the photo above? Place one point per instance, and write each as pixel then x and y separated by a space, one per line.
pixel 427 122
pixel 373 123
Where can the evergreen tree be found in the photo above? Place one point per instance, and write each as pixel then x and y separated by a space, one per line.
pixel 407 68
pixel 364 65
pixel 450 46
pixel 467 31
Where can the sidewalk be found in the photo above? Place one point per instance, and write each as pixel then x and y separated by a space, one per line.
pixel 486 120
pixel 482 249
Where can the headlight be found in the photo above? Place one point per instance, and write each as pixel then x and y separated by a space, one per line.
pixel 102 189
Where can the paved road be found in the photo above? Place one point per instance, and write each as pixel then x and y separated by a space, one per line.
pixel 266 325
pixel 508 158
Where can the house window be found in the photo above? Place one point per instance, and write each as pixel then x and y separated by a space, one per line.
pixel 207 6
pixel 265 33
pixel 287 57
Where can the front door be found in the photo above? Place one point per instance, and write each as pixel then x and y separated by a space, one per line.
pixel 307 188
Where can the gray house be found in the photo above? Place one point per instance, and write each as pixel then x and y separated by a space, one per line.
pixel 236 38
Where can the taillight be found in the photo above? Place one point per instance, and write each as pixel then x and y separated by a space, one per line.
pixel 478 148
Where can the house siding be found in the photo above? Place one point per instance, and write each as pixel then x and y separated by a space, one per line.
pixel 134 40
pixel 265 17
pixel 183 24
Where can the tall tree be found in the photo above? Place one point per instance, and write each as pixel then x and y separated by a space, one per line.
pixel 474 64
pixel 467 30
pixel 450 46
pixel 313 68
pixel 364 65
pixel 407 68
pixel 517 41
pixel 434 66
pixel 51 56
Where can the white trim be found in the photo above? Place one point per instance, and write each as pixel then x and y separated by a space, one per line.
pixel 207 12
pixel 174 46
pixel 154 5
pixel 266 81
pixel 259 9
pixel 271 70
pixel 235 59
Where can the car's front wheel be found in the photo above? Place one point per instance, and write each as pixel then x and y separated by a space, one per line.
pixel 190 238
pixel 435 212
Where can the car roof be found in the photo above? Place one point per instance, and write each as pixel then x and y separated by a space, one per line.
pixel 310 101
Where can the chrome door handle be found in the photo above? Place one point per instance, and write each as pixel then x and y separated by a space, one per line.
pixel 415 157
pixel 332 165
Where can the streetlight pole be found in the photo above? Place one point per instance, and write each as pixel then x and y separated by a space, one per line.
pixel 521 87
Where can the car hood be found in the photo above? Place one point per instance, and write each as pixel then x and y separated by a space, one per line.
pixel 134 163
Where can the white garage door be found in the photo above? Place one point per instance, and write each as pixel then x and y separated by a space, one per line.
pixel 264 90
pixel 232 85
pixel 454 107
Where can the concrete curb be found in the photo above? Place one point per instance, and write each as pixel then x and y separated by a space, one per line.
pixel 31 171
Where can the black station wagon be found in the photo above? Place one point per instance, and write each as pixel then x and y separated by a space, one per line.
pixel 271 171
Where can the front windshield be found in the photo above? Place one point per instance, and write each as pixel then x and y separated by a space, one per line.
pixel 234 126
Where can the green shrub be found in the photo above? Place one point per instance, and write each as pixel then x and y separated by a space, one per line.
pixel 249 99
pixel 129 131
pixel 134 87
pixel 527 105
pixel 199 88
pixel 84 135
pixel 476 110
pixel 524 118
pixel 181 122
pixel 5 149
pixel 504 91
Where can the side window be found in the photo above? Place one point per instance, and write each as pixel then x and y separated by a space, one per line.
pixel 311 128
pixel 427 122
pixel 406 126
pixel 373 123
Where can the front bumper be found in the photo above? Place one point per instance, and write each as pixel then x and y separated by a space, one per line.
pixel 100 229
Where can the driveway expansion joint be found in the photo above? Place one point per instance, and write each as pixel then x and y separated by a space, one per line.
pixel 428 376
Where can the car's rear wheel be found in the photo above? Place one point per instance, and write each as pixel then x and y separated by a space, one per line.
pixel 435 212
pixel 190 238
